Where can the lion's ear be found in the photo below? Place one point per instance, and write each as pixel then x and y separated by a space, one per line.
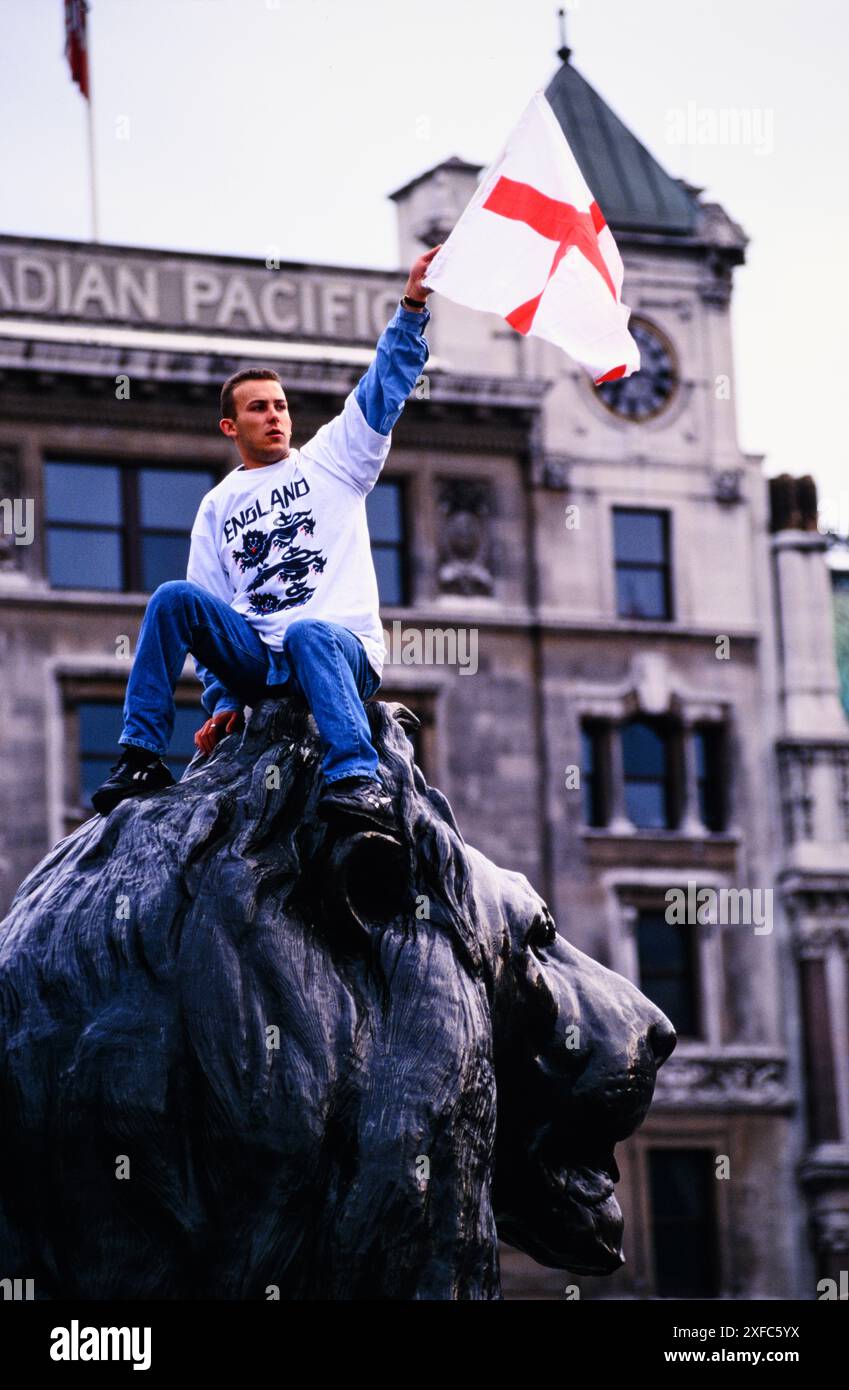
pixel 405 716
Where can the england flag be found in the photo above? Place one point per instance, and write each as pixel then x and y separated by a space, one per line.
pixel 533 246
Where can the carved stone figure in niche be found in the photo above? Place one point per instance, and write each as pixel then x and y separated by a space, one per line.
pixel 465 538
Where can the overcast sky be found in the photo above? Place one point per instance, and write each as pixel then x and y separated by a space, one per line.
pixel 258 123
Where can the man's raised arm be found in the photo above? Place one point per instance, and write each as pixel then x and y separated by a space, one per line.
pixel 354 445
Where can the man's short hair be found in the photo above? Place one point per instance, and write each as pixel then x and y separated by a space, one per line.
pixel 228 407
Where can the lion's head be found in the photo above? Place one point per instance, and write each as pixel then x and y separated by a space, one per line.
pixel 331 1063
pixel 576 1051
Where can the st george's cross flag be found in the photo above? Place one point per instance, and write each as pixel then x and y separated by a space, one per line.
pixel 533 246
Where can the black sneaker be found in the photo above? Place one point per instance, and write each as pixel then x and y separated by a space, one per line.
pixel 358 799
pixel 132 775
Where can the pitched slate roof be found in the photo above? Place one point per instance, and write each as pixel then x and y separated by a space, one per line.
pixel 631 188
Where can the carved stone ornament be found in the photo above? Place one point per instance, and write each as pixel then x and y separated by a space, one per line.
pixel 831 1231
pixel 556 469
pixel 465 539
pixel 652 682
pixel 724 1083
pixel 728 485
pixel 446 199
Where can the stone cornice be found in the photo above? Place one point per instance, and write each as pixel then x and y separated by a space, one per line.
pixel 326 369
pixel 497 616
pixel 824 1165
pixel 724 1081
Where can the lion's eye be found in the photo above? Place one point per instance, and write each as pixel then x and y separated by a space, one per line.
pixel 543 932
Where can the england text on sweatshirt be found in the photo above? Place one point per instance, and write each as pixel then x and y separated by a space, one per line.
pixel 290 540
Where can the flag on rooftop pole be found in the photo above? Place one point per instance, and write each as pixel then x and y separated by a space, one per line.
pixel 533 246
pixel 77 53
pixel 76 48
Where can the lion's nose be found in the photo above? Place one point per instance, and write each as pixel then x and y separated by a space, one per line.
pixel 661 1038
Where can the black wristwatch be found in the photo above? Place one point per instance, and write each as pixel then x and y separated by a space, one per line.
pixel 410 303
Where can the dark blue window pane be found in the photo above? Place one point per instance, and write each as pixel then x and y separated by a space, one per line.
pixel 387 567
pixel 163 558
pixel 707 744
pixel 383 511
pixel 682 1186
pixel 666 954
pixel 587 752
pixel 699 747
pixel 592 776
pixel 671 998
pixel 100 725
pixel 639 535
pixel 84 559
pixel 645 805
pixel 643 751
pixel 186 723
pixel 662 944
pixel 644 759
pixel 82 492
pixel 674 998
pixel 640 593
pixel 169 497
pixel 182 749
pixel 681 1193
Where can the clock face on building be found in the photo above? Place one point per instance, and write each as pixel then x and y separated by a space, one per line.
pixel 647 392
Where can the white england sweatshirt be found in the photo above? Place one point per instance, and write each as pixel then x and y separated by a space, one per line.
pixel 290 540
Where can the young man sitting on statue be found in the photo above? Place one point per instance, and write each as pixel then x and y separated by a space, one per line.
pixel 280 595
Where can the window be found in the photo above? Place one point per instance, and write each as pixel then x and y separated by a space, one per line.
pixel 593 773
pixel 656 791
pixel 684 1225
pixel 667 954
pixel 385 514
pixel 648 771
pixel 641 551
pixel 119 526
pixel 821 1087
pixel 97 731
pixel 707 739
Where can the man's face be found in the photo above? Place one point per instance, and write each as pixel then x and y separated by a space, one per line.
pixel 262 426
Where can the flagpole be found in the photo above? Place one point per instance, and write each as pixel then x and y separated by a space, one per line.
pixel 92 166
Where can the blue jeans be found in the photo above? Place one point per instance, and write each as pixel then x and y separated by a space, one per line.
pixel 328 666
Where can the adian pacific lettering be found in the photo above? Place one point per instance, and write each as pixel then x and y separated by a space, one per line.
pixel 131 290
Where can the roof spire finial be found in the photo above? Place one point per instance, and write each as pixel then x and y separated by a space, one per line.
pixel 564 52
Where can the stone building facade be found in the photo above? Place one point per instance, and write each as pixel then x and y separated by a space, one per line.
pixel 618 638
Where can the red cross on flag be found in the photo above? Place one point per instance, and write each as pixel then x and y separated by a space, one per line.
pixel 533 246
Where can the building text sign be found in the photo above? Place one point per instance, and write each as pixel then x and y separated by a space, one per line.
pixel 191 293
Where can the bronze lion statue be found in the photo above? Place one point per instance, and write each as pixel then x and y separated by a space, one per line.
pixel 246 1056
